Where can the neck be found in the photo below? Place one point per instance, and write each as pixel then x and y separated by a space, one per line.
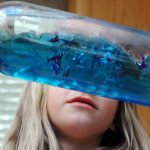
pixel 68 143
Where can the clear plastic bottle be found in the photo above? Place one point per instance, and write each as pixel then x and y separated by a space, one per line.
pixel 62 49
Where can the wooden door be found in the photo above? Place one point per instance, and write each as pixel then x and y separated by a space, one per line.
pixel 134 13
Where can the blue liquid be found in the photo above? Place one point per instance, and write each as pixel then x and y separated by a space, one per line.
pixel 92 65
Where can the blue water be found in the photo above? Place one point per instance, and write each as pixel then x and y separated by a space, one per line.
pixel 92 65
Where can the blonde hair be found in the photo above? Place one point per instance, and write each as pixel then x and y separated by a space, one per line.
pixel 32 130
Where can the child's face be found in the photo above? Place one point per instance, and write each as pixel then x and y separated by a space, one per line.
pixel 78 119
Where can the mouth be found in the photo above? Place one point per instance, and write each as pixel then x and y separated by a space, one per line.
pixel 83 102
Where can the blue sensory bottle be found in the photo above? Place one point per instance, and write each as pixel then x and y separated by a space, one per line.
pixel 58 48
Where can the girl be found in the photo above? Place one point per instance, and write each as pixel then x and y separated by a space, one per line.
pixel 53 118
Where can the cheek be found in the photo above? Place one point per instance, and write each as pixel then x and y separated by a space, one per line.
pixel 53 103
pixel 110 107
pixel 107 113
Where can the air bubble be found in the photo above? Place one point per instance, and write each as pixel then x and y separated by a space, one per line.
pixel 84 45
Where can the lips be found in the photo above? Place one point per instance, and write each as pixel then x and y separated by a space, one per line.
pixel 83 100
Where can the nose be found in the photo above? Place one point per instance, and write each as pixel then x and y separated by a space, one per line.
pixel 85 95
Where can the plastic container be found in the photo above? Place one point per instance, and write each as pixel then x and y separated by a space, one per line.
pixel 62 49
